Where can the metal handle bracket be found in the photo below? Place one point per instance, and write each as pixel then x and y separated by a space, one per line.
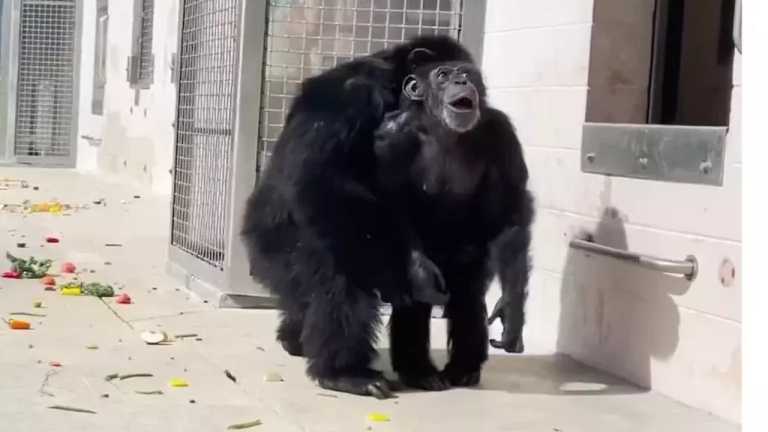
pixel 687 268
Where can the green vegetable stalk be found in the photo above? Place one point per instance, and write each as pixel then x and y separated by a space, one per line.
pixel 31 268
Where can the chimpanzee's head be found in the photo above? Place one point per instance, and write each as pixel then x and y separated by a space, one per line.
pixel 451 91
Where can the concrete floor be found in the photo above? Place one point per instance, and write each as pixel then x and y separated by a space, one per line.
pixel 535 392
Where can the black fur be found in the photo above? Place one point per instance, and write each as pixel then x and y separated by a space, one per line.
pixel 464 196
pixel 317 234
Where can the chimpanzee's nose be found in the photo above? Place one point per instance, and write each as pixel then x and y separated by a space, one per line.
pixel 460 79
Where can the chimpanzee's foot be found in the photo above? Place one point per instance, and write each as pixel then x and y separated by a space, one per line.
pixel 372 384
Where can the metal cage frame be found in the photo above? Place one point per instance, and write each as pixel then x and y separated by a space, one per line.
pixel 8 156
pixel 231 284
pixel 141 62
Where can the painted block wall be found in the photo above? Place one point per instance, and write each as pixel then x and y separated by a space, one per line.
pixel 136 132
pixel 679 338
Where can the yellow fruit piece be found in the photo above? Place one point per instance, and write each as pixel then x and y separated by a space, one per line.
pixel 74 291
pixel 378 417
pixel 40 207
pixel 273 376
pixel 179 382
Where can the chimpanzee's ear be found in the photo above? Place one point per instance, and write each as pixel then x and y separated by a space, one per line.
pixel 419 57
pixel 412 88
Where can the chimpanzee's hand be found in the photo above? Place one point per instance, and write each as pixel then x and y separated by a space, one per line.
pixel 426 280
pixel 508 310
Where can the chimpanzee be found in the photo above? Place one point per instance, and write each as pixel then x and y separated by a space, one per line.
pixel 452 169
pixel 320 238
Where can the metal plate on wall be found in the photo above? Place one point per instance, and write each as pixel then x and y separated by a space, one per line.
pixel 683 154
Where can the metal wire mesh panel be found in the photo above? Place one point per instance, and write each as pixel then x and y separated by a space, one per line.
pixel 46 75
pixel 204 127
pixel 305 37
pixel 145 44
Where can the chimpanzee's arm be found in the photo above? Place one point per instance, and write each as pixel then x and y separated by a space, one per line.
pixel 509 213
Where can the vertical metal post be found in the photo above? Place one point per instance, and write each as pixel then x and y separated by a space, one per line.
pixel 247 107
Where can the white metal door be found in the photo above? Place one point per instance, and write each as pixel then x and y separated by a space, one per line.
pixel 46 96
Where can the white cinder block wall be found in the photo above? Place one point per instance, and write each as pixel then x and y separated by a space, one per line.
pixel 681 339
pixel 136 133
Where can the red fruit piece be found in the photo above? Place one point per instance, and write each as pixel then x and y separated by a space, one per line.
pixel 12 275
pixel 68 267
pixel 123 299
pixel 54 364
pixel 48 281
pixel 52 239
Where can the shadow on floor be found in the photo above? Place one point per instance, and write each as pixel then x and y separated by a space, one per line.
pixel 535 374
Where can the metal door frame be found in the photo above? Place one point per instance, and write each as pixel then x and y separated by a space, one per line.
pixel 10 143
pixel 9 14
pixel 233 285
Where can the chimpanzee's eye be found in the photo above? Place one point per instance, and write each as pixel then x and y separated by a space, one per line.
pixel 442 75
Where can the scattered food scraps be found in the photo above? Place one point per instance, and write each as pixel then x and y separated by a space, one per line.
pixel 185 335
pixel 15 324
pixel 154 337
pixel 246 425
pixel 178 382
pixel 48 281
pixel 21 245
pixel 72 409
pixel 113 245
pixel 149 392
pixel 92 347
pixel 135 375
pixel 8 183
pixel 328 395
pixel 123 299
pixel 37 304
pixel 98 289
pixel 31 268
pixel 71 291
pixel 377 417
pixel 37 315
pixel 54 364
pixel 230 376
pixel 273 376
pixel 112 376
pixel 52 239
pixel 68 267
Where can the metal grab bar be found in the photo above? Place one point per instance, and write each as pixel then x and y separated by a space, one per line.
pixel 688 268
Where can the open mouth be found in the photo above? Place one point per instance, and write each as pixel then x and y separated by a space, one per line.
pixel 463 104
